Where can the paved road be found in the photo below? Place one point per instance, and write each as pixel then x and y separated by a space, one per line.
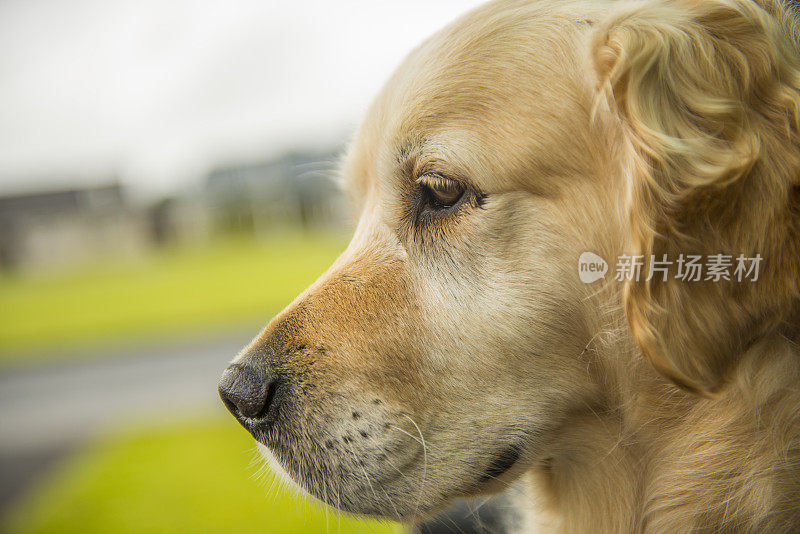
pixel 46 410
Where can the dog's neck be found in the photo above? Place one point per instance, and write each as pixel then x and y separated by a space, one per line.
pixel 647 456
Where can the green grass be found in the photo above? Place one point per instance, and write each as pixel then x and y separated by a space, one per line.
pixel 222 283
pixel 196 477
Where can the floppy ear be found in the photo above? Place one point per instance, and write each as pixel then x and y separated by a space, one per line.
pixel 708 97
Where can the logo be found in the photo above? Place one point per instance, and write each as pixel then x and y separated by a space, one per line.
pixel 591 267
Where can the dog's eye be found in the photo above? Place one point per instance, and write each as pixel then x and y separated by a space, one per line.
pixel 440 192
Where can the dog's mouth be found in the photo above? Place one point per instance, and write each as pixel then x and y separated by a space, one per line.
pixel 501 463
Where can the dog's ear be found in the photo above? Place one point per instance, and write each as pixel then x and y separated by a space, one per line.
pixel 707 94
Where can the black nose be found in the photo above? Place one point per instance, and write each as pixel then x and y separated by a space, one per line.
pixel 246 391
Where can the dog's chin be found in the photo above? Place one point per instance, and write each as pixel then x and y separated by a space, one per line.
pixel 400 499
pixel 373 499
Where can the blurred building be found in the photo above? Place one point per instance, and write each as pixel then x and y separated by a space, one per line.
pixel 54 228
pixel 296 189
pixel 58 227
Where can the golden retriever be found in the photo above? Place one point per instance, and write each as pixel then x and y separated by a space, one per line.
pixel 453 349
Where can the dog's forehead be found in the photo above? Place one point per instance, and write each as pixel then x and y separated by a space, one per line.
pixel 500 93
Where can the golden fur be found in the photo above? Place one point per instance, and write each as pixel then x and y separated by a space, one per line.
pixel 436 345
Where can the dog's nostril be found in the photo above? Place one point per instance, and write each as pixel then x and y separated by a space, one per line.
pixel 245 392
pixel 229 405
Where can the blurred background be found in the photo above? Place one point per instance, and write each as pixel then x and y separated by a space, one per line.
pixel 164 190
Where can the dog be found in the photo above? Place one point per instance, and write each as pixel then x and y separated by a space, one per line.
pixel 453 349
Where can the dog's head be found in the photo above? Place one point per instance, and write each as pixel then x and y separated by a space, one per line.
pixel 448 343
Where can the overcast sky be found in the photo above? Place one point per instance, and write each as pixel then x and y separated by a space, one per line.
pixel 157 91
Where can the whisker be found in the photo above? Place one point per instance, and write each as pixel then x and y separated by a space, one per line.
pixel 425 464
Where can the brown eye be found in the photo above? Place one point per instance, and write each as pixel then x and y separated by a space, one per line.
pixel 439 192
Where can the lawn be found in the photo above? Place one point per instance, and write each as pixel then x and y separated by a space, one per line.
pixel 201 476
pixel 166 292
